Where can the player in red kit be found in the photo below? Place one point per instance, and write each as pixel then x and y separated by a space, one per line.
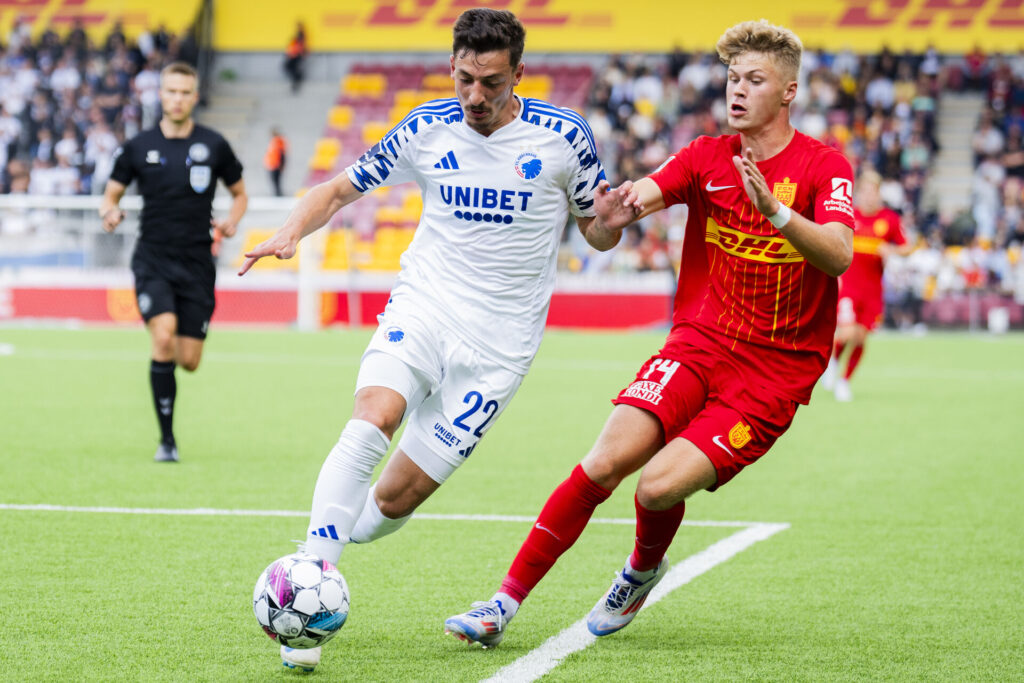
pixel 768 232
pixel 876 234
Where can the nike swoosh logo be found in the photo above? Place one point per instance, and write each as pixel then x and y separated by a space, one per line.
pixel 715 188
pixel 540 526
pixel 721 445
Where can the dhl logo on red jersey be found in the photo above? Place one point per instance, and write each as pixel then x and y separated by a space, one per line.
pixel 763 248
pixel 862 244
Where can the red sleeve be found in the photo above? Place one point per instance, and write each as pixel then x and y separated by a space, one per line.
pixel 676 176
pixel 833 190
pixel 895 235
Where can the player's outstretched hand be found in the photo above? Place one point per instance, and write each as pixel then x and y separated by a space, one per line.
pixel 226 228
pixel 754 183
pixel 279 245
pixel 617 207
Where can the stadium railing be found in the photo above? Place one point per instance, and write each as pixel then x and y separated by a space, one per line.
pixel 57 263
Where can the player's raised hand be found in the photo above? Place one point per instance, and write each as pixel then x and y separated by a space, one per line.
pixel 280 245
pixel 224 227
pixel 617 207
pixel 755 184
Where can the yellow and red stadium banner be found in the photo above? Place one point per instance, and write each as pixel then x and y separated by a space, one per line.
pixel 98 17
pixel 606 26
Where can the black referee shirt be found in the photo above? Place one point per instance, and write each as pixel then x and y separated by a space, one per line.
pixel 177 180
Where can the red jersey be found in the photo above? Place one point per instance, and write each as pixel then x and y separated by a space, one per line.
pixel 741 282
pixel 869 232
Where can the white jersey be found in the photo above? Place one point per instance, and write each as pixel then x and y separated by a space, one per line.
pixel 482 262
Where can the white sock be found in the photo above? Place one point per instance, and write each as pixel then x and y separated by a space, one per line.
pixel 509 605
pixel 341 488
pixel 641 577
pixel 372 524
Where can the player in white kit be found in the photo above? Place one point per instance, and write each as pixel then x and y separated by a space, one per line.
pixel 500 175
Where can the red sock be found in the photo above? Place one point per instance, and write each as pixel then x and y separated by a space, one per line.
pixel 837 349
pixel 655 530
pixel 851 364
pixel 559 525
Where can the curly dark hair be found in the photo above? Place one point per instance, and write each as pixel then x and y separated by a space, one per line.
pixel 488 30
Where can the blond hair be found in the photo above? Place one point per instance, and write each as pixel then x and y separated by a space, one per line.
pixel 869 176
pixel 183 68
pixel 760 36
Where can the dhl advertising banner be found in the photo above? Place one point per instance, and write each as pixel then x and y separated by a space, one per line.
pixel 617 26
pixel 97 17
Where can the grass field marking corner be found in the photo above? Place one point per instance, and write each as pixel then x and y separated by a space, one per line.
pixel 552 651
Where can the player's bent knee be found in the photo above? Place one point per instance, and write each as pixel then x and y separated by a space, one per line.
pixel 605 470
pixel 380 406
pixel 659 495
pixel 395 508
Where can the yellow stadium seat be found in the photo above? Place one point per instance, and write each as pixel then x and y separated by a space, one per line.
pixel 340 117
pixel 364 85
pixel 407 99
pixel 373 131
pixel 535 86
pixel 336 249
pixel 325 154
pixel 413 201
pixel 437 82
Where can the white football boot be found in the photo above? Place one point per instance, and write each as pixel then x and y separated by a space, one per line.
pixel 843 393
pixel 623 600
pixel 300 660
pixel 166 453
pixel 484 624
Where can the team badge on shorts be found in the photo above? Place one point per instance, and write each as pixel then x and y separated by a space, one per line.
pixel 528 165
pixel 145 303
pixel 395 335
pixel 739 435
pixel 199 178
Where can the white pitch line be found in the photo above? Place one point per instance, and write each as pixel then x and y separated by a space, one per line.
pixel 551 652
pixel 216 512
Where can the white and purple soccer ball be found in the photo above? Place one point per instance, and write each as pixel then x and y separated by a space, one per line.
pixel 300 600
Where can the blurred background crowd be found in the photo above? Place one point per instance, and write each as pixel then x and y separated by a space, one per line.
pixel 67 103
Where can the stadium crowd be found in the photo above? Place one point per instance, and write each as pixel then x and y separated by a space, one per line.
pixel 66 103
pixel 880 110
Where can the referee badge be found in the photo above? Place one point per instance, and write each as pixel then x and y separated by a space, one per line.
pixel 199 178
pixel 199 152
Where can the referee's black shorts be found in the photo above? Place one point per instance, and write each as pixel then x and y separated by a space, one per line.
pixel 176 280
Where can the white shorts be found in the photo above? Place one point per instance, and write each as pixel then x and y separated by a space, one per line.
pixel 453 394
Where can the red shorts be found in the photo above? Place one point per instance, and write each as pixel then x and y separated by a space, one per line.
pixel 710 397
pixel 861 308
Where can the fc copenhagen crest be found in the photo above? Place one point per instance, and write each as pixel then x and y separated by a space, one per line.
pixel 528 165
pixel 739 436
pixel 199 178
pixel 785 192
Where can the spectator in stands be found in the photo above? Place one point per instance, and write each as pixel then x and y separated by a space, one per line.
pixel 110 96
pixel 274 159
pixel 295 57
pixel 987 139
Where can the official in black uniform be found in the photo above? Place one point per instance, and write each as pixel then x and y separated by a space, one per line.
pixel 177 165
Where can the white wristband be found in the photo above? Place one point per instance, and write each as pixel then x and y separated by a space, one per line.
pixel 781 217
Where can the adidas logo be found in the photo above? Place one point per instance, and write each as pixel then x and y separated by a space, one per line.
pixel 448 162
pixel 326 532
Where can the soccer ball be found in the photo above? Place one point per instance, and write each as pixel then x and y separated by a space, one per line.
pixel 300 600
